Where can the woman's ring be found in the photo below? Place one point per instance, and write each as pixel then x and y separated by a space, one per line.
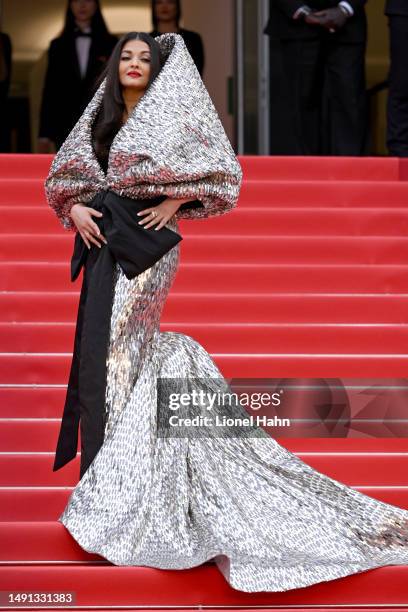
pixel 154 213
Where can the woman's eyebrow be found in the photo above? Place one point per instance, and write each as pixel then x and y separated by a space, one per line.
pixel 142 52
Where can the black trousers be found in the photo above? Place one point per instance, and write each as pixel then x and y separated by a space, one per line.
pixel 318 100
pixel 397 106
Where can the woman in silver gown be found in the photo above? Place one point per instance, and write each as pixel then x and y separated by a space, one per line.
pixel 268 520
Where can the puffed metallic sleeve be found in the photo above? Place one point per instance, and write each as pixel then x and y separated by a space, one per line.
pixel 218 192
pixel 75 176
pixel 56 188
pixel 213 173
pixel 61 203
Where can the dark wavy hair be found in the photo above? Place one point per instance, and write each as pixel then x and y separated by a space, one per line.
pixel 109 118
pixel 178 13
pixel 98 24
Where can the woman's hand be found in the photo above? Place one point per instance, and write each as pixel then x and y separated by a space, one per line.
pixel 161 213
pixel 82 217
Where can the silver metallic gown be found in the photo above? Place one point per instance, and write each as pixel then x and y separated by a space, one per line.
pixel 270 522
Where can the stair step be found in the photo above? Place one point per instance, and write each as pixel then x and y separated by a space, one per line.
pixel 233 249
pixel 48 306
pixel 351 194
pixel 31 402
pixel 29 468
pixel 308 278
pixel 199 586
pixel 17 435
pixel 281 338
pixel 28 165
pixel 36 503
pixel 301 193
pixel 34 403
pixel 295 221
pixel 302 167
pixel 53 368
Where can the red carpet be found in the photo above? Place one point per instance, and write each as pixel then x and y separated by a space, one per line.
pixel 308 277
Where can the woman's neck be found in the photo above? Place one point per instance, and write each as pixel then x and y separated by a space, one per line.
pixel 167 26
pixel 83 24
pixel 130 98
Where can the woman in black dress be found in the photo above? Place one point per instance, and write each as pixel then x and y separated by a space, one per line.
pixel 75 60
pixel 166 15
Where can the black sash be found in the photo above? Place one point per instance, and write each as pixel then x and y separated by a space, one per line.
pixel 135 248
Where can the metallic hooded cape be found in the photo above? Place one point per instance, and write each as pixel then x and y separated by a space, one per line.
pixel 173 143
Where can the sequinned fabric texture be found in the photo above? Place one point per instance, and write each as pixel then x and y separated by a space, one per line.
pixel 268 520
pixel 173 143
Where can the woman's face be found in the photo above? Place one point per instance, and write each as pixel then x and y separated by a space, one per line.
pixel 134 65
pixel 83 9
pixel 165 10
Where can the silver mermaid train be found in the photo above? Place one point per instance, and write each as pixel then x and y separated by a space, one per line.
pixel 269 521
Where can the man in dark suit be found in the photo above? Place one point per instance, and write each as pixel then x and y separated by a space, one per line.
pixel 317 76
pixel 397 106
pixel 5 77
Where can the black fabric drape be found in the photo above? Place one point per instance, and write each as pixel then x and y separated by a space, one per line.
pixel 85 397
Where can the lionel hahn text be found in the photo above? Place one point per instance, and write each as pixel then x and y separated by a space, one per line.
pixel 222 421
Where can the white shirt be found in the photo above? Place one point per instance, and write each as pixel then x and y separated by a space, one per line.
pixel 83 44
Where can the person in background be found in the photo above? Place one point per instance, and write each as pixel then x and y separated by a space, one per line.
pixel 397 105
pixel 5 77
pixel 75 60
pixel 317 68
pixel 166 15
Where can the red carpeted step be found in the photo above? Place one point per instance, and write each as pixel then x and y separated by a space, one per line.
pixel 23 165
pixel 261 337
pixel 355 194
pixel 249 609
pixel 23 405
pixel 202 586
pixel 22 306
pixel 289 193
pixel 242 248
pixel 16 437
pixel 39 434
pixel 27 191
pixel 353 469
pixel 32 402
pixel 271 278
pixel 31 219
pixel 46 369
pixel 294 221
pixel 47 503
pixel 299 167
pixel 266 220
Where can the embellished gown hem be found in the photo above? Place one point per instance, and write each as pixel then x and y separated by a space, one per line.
pixel 266 579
